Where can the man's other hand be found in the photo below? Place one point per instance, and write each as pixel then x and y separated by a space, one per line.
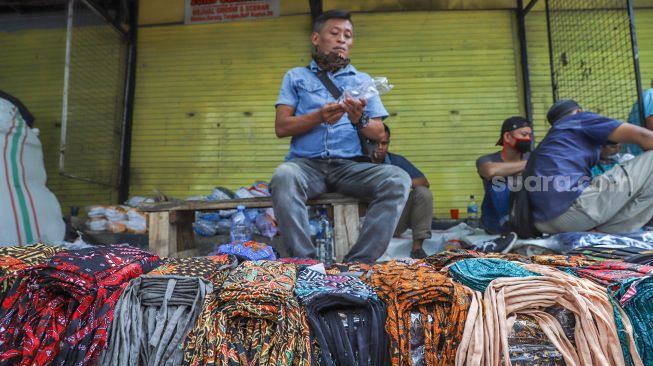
pixel 331 113
pixel 354 108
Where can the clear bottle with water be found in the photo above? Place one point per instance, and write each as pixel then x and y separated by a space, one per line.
pixel 472 213
pixel 241 227
pixel 324 238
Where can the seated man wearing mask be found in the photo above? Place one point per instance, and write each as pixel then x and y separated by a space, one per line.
pixel 566 198
pixel 494 168
pixel 418 212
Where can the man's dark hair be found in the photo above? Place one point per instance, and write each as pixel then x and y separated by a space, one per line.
pixel 330 14
pixel 387 129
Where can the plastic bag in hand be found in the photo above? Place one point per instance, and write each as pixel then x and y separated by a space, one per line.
pixel 368 89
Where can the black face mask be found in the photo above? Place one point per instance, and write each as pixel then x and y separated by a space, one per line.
pixel 330 62
pixel 522 145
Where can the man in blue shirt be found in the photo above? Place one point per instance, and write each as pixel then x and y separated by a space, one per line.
pixel 418 212
pixel 325 151
pixel 564 196
pixel 515 138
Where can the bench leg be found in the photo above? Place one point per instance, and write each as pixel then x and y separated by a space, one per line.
pixel 170 232
pixel 162 236
pixel 345 228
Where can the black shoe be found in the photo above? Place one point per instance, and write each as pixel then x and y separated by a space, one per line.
pixel 502 244
pixel 418 254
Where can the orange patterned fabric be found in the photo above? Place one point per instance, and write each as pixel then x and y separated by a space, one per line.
pixel 441 304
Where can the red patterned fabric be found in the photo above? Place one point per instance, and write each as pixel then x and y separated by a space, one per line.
pixel 610 272
pixel 58 312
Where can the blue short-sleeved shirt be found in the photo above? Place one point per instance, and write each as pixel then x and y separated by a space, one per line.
pixel 647 99
pixel 564 162
pixel 495 208
pixel 403 163
pixel 302 90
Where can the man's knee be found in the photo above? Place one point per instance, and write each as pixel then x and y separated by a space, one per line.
pixel 285 176
pixel 422 193
pixel 397 179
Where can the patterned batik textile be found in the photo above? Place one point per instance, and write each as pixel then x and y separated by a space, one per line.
pixel 14 259
pixel 573 240
pixel 477 273
pixel 349 267
pixel 559 260
pixel 249 250
pixel 254 320
pixel 214 268
pixel 418 294
pixel 606 273
pixel 597 336
pixel 636 297
pixel 156 311
pixel 601 253
pixel 528 344
pixel 447 258
pixel 346 318
pixel 60 311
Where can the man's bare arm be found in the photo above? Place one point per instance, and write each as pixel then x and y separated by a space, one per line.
pixel 419 182
pixel 490 170
pixel 631 134
pixel 287 124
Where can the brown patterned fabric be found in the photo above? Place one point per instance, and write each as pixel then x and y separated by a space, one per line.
pixel 418 290
pixel 254 320
pixel 213 268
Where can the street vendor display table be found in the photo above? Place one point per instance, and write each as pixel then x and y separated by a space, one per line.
pixel 171 231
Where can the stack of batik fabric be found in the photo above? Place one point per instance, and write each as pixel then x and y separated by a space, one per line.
pixel 254 320
pixel 636 297
pixel 602 335
pixel 156 311
pixel 346 317
pixel 59 312
pixel 14 259
pixel 422 304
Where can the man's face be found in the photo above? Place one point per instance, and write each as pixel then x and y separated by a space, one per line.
pixel 337 35
pixel 509 138
pixel 611 149
pixel 382 147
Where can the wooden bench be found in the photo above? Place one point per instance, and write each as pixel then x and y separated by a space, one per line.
pixel 171 231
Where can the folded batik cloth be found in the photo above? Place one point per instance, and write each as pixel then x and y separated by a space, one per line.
pixel 603 335
pixel 249 250
pixel 254 320
pixel 156 311
pixel 418 294
pixel 60 311
pixel 347 319
pixel 636 297
pixel 215 268
pixel 606 273
pixel 14 259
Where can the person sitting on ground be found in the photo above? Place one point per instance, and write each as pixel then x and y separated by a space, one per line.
pixel 418 212
pixel 608 159
pixel 635 117
pixel 515 138
pixel 563 196
pixel 325 150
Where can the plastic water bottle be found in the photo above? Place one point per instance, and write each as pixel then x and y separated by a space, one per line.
pixel 324 239
pixel 241 227
pixel 472 212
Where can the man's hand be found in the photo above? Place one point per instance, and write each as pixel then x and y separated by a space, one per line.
pixel 354 108
pixel 331 113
